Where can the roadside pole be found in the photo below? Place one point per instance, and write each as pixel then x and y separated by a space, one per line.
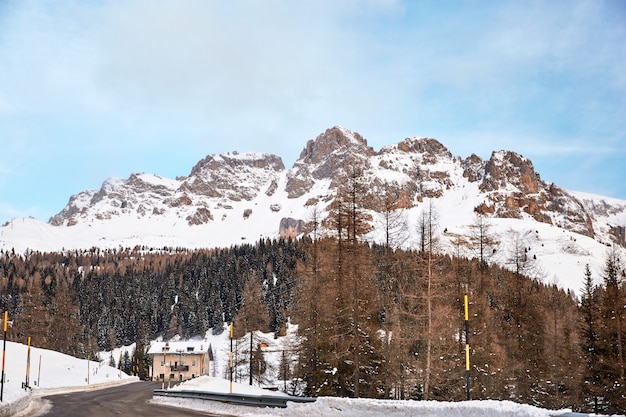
pixel 169 374
pixel 231 357
pixel 26 383
pixel 39 373
pixel 164 364
pixel 4 352
pixel 467 350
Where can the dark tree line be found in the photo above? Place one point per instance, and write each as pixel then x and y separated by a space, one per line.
pixel 82 301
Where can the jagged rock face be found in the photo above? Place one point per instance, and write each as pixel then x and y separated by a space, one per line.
pixel 505 169
pixel 290 228
pixel 78 203
pixel 511 184
pixel 201 216
pixel 227 175
pixel 333 141
pixel 425 164
pixel 555 200
pixel 513 188
pixel 332 155
pixel 431 150
pixel 473 168
pixel 136 194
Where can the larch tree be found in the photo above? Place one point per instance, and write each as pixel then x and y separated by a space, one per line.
pixel 427 230
pixel 393 221
pixel 482 239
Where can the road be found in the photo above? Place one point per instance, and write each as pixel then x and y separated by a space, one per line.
pixel 125 400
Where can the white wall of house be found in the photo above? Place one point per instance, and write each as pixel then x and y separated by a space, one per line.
pixel 181 361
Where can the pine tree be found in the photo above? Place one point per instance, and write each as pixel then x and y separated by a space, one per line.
pixel 589 310
pixel 612 334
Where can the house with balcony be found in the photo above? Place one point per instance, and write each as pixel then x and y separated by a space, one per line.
pixel 180 360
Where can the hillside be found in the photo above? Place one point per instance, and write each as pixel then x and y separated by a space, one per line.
pixel 234 198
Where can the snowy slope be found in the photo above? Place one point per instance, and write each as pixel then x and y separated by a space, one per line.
pixel 241 198
pixel 51 373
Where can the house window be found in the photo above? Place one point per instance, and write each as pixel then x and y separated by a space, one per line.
pixel 193 362
pixel 162 363
pixel 161 376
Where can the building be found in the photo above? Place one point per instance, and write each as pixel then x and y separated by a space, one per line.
pixel 180 360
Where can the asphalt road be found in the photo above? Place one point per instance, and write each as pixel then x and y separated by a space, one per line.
pixel 126 400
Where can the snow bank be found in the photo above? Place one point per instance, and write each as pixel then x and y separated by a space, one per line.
pixel 345 407
pixel 14 405
pixel 211 384
pixel 348 407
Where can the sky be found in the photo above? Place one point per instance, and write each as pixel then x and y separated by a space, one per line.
pixel 94 89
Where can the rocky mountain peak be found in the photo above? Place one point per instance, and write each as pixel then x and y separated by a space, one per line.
pixel 431 149
pixel 334 140
pixel 506 168
pixel 473 168
pixel 235 160
pixel 329 156
pixel 233 175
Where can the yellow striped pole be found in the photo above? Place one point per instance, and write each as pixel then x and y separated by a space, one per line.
pixel 27 365
pixel 169 374
pixel 4 352
pixel 231 357
pixel 164 352
pixel 467 349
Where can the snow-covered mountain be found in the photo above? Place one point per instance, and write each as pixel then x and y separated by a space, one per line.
pixel 234 198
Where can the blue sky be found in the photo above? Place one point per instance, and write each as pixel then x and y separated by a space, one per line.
pixel 97 89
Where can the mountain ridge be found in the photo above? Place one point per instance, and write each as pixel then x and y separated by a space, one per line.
pixel 233 197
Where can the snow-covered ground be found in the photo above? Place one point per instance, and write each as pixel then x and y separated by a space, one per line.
pixel 347 407
pixel 50 373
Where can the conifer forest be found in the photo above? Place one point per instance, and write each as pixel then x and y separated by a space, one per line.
pixel 374 321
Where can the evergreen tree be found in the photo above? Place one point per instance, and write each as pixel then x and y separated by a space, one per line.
pixel 612 334
pixel 591 388
pixel 127 363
